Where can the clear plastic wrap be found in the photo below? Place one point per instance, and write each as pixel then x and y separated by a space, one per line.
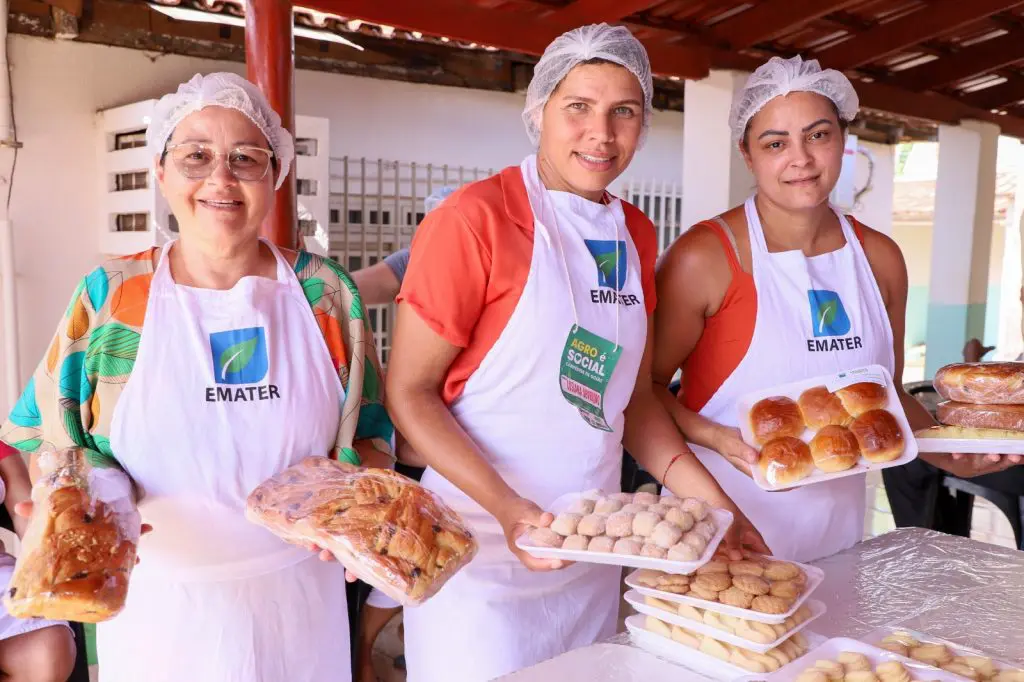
pixel 1009 417
pixel 391 532
pixel 982 383
pixel 79 549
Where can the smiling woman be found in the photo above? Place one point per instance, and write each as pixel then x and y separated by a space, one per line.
pixel 519 288
pixel 199 370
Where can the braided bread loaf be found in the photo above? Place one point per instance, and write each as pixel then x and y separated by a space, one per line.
pixel 78 552
pixel 393 533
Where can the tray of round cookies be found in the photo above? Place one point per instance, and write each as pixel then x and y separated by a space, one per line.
pixel 826 427
pixel 755 588
pixel 940 653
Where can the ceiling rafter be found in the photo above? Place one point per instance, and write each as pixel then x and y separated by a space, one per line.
pixel 964 63
pixel 772 18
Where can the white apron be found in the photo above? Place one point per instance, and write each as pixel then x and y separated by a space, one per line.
pixel 229 388
pixel 791 343
pixel 496 616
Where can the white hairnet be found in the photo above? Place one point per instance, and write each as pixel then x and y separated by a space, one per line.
pixel 221 90
pixel 435 199
pixel 597 41
pixel 778 77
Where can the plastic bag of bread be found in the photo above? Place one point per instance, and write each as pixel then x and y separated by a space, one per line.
pixel 982 383
pixel 390 531
pixel 1006 417
pixel 79 549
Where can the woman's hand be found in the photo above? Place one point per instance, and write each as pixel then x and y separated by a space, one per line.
pixel 727 442
pixel 517 516
pixel 971 465
pixel 327 555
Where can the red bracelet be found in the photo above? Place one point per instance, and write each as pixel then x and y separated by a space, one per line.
pixel 674 459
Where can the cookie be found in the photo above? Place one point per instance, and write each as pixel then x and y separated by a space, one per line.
pixel 746 568
pixel 660 509
pixel 714 566
pixel 744 630
pixel 607 505
pixel 892 671
pixel 982 664
pixel 566 523
pixel 698 543
pixel 576 542
pixel 770 605
pixel 581 506
pixel 714 620
pixel 675 589
pixel 673 579
pixel 812 675
pixel 683 519
pixel 714 582
pixel 781 570
pixel 697 508
pixel 659 604
pixel 644 523
pixel 619 525
pixel 706 529
pixel 591 525
pixel 665 534
pixel 685 638
pixel 744 659
pixel 633 508
pixel 690 612
pixel 658 627
pixel 962 670
pixel 932 654
pixel 832 670
pixel 601 543
pixel 627 546
pixel 652 551
pixel 787 589
pixel 646 498
pixel 860 676
pixel 545 537
pixel 752 584
pixel 853 661
pixel 713 647
pixel 682 552
pixel 703 593
pixel 895 647
pixel 734 596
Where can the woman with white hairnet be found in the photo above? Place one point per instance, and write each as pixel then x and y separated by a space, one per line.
pixel 199 370
pixel 787 278
pixel 506 279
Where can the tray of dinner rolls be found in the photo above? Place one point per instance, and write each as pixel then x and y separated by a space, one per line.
pixel 755 588
pixel 848 660
pixel 825 428
pixel 710 656
pixel 982 411
pixel 749 634
pixel 934 651
pixel 642 530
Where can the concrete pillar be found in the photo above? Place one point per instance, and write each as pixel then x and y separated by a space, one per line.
pixel 965 193
pixel 715 178
pixel 874 208
pixel 1010 341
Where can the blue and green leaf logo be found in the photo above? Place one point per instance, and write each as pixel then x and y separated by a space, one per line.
pixel 239 355
pixel 611 260
pixel 828 314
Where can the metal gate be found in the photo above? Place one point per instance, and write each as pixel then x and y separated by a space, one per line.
pixel 375 206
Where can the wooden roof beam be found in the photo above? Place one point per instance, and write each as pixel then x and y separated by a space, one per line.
pixel 770 19
pixel 998 96
pixel 938 18
pixel 506 30
pixel 583 12
pixel 965 63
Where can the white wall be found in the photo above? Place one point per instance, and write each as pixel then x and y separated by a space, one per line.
pixel 58 86
pixel 875 207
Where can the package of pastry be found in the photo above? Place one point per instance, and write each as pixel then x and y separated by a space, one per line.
pixel 388 530
pixel 79 549
pixel 826 427
pixel 982 383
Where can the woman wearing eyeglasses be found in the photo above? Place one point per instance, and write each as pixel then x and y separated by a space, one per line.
pixel 199 370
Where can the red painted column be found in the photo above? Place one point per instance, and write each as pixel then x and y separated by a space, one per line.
pixel 270 64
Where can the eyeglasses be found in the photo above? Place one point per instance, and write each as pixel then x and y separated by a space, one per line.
pixel 197 161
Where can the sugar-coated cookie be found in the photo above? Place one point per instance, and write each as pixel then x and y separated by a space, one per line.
pixel 666 534
pixel 576 543
pixel 602 543
pixel 781 570
pixel 582 506
pixel 591 525
pixel 619 525
pixel 706 529
pixel 715 582
pixel 660 509
pixel 696 541
pixel 653 551
pixel 646 498
pixel 697 508
pixel 671 501
pixel 644 523
pixel 545 537
pixel 682 552
pixel 734 596
pixel 624 498
pixel 752 584
pixel 633 508
pixel 607 505
pixel 627 546
pixel 770 605
pixel 683 519
pixel 565 523
pixel 746 568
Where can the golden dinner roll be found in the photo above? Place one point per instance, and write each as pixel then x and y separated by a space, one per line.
pixel 775 417
pixel 834 449
pixel 982 383
pixel 863 397
pixel 879 436
pixel 785 461
pixel 821 408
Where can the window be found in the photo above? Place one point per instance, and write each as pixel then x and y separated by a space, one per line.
pixel 130 140
pixel 354 216
pixel 131 222
pixel 419 218
pixel 307 227
pixel 354 263
pixel 335 216
pixel 305 146
pixel 306 188
pixel 386 215
pixel 124 182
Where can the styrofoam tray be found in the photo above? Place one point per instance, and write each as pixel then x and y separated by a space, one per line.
pixel 972 446
pixel 815 576
pixel 694 658
pixel 875 638
pixel 722 518
pixel 793 391
pixel 636 600
pixel 831 649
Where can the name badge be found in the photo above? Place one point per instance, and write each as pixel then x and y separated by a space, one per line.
pixel 585 372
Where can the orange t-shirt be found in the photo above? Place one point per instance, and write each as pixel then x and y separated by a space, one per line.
pixel 470 260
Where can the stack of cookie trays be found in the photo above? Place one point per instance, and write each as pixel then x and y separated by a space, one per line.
pixel 727 618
